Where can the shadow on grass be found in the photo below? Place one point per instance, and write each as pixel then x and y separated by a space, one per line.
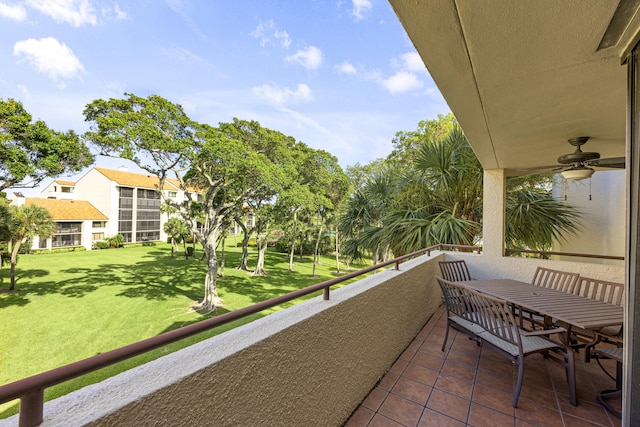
pixel 157 276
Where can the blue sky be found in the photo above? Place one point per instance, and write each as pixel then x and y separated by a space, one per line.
pixel 338 75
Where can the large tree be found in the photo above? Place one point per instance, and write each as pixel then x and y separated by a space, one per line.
pixel 439 200
pixel 26 222
pixel 31 152
pixel 213 168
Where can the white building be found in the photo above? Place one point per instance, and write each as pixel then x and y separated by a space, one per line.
pixel 130 201
pixel 78 222
pixel 104 203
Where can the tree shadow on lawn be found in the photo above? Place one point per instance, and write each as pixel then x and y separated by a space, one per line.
pixel 158 278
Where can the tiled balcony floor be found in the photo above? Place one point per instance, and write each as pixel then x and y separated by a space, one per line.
pixel 467 385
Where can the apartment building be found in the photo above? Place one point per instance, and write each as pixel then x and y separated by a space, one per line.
pixel 104 203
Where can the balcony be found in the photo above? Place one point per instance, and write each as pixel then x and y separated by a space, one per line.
pixel 373 347
pixel 468 385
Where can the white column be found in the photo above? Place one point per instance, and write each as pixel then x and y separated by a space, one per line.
pixel 493 213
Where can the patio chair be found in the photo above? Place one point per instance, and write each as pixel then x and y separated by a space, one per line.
pixel 617 354
pixel 557 280
pixel 456 306
pixel 492 323
pixel 605 291
pixel 455 271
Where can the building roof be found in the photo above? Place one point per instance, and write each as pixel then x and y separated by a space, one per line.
pixel 69 183
pixel 130 179
pixel 67 210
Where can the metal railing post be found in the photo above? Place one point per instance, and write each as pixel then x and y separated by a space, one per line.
pixel 31 408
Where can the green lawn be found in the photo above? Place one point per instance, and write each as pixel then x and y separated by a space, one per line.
pixel 70 306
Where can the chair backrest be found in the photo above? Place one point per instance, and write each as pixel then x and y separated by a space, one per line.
pixel 492 314
pixel 454 271
pixel 601 290
pixel 454 297
pixel 562 281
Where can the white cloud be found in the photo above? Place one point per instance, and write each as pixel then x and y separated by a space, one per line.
pixel 262 32
pixel 309 58
pixel 284 38
pixel 345 68
pixel 50 56
pixel 266 32
pixel 360 8
pixel 13 11
pixel 402 81
pixel 74 12
pixel 413 62
pixel 115 13
pixel 281 96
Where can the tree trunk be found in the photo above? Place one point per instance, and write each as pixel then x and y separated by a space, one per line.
pixel 262 249
pixel 184 247
pixel 337 252
pixel 316 255
pixel 173 246
pixel 14 261
pixel 246 234
pixel 211 300
pixel 221 274
pixel 293 239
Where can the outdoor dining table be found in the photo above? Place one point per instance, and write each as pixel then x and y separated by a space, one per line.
pixel 572 309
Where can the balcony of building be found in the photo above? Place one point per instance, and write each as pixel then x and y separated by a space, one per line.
pixel 367 355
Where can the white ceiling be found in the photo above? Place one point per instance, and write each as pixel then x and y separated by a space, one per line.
pixel 522 77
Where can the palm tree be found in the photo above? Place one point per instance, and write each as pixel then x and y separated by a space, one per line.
pixel 439 200
pixel 26 222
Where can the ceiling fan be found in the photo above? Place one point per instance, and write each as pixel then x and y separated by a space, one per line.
pixel 579 164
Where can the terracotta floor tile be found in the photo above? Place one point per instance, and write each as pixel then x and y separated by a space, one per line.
pixel 421 374
pixel 459 370
pixel 463 357
pixel 467 385
pixel 412 390
pixel 433 349
pixel 493 398
pixel 449 404
pixel 401 410
pixel 360 418
pixel 455 385
pixel 435 419
pixel 427 361
pixel 382 421
pixel 375 398
pixel 388 381
pixel 481 416
pixel 586 411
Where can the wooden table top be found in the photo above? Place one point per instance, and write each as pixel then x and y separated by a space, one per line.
pixel 573 309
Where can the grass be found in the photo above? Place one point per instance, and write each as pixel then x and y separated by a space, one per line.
pixel 70 306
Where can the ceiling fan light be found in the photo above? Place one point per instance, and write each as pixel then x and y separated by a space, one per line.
pixel 578 173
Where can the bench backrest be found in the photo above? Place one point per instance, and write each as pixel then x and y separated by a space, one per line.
pixel 601 290
pixel 454 271
pixel 562 281
pixel 454 297
pixel 491 314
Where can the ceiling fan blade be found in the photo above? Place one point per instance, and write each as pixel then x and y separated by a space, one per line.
pixel 611 162
pixel 540 170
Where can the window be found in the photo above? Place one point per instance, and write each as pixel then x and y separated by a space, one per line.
pixel 125 212
pixel 42 244
pixel 66 189
pixel 99 224
pixel 97 236
pixel 68 227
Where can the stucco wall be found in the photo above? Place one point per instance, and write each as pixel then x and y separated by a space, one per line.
pixel 309 365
